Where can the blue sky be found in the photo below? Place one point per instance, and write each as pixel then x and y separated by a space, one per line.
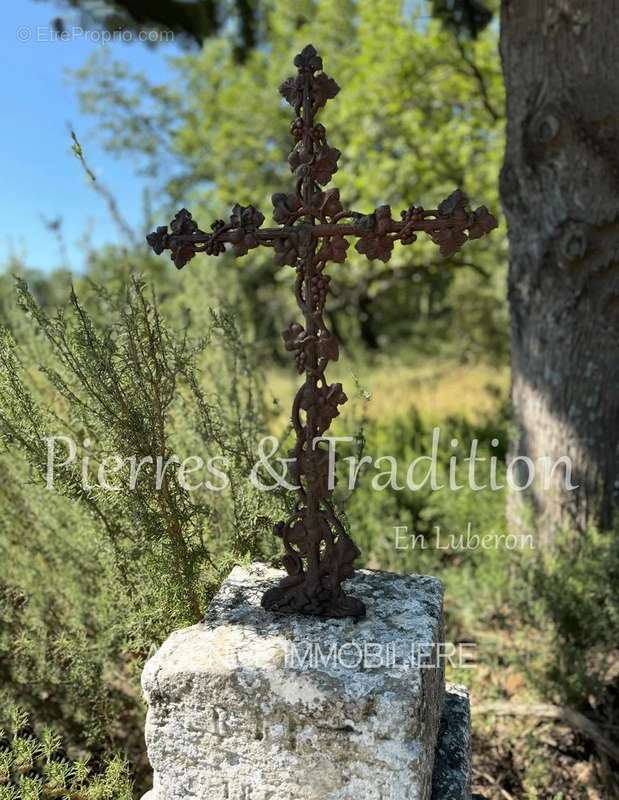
pixel 40 174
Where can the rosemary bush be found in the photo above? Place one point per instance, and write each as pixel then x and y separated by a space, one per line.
pixel 91 579
pixel 36 767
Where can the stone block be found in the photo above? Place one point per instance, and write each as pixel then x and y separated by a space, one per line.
pixel 248 705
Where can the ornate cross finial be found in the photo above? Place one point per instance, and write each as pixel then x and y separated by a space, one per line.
pixel 314 229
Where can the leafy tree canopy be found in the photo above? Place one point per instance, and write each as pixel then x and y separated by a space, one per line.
pixel 192 21
pixel 463 16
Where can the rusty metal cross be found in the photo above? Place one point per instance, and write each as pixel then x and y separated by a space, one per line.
pixel 314 227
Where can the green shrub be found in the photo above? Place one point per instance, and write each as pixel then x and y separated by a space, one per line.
pixel 482 576
pixel 35 767
pixel 91 580
pixel 575 589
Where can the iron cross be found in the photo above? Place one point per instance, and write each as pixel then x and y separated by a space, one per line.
pixel 314 229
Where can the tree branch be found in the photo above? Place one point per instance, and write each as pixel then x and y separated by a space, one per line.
pixel 476 73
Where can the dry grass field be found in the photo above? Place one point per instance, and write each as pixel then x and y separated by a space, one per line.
pixel 388 389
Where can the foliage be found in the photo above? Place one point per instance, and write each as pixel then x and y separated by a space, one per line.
pixel 463 16
pixel 61 612
pixel 576 599
pixel 191 23
pixel 33 766
pixel 129 564
pixel 432 517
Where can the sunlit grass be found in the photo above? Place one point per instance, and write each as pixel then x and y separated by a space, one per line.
pixel 391 389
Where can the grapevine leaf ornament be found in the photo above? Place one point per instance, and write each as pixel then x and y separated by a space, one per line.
pixel 314 229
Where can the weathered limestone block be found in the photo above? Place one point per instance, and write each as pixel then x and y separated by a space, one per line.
pixel 251 706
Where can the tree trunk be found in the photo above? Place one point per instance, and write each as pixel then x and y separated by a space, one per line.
pixel 560 192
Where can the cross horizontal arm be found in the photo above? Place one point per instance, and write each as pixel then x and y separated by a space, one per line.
pixel 266 235
pixel 450 226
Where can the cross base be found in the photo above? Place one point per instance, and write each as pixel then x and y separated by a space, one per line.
pixel 326 600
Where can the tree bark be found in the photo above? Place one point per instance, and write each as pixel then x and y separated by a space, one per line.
pixel 560 192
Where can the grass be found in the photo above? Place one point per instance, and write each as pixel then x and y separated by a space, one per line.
pixel 388 389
